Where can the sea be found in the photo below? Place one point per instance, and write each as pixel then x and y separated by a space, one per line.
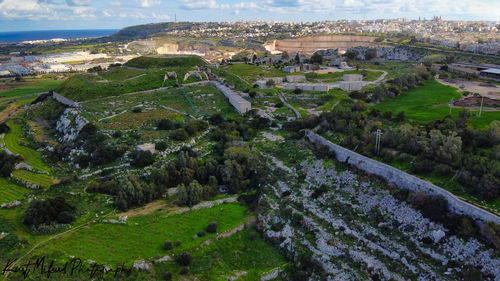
pixel 20 36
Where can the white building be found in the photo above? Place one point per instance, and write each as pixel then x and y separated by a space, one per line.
pixel 240 104
pixel 295 78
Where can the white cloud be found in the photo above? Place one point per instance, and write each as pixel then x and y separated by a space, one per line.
pixel 150 3
pixel 43 10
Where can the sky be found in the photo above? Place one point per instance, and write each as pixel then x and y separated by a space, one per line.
pixel 20 15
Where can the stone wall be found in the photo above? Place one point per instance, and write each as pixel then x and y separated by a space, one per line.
pixel 402 179
pixel 64 100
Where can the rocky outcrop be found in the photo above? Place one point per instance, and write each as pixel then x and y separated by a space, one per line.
pixel 391 53
pixel 313 43
pixel 69 124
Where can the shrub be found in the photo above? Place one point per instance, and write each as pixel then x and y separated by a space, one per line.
pixel 212 227
pixel 142 158
pixel 166 124
pixel 137 110
pixel 184 259
pixel 387 114
pixel 184 271
pixel 48 211
pixel 168 245
pixel 201 233
pixel 177 243
pixel 161 146
pixel 180 134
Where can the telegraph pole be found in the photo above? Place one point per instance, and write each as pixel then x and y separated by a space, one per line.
pixel 378 134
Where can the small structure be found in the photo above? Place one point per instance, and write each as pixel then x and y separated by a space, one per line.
pixel 351 85
pixel 193 73
pixel 291 68
pixel 147 147
pixel 295 78
pixel 491 73
pixel 352 77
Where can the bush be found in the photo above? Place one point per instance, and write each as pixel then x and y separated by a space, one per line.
pixel 178 243
pixel 180 134
pixel 137 110
pixel 184 259
pixel 161 146
pixel 168 245
pixel 387 115
pixel 212 227
pixel 201 233
pixel 184 271
pixel 166 124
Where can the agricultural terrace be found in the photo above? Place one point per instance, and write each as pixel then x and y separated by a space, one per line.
pixel 142 110
pixel 15 142
pixel 10 191
pixel 138 74
pixel 428 103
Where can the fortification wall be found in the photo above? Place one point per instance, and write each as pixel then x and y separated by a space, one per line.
pixel 64 100
pixel 321 42
pixel 402 179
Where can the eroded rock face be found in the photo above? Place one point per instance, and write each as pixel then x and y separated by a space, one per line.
pixel 355 225
pixel 69 124
pixel 391 53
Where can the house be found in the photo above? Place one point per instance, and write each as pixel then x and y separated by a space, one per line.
pixel 291 68
pixel 491 73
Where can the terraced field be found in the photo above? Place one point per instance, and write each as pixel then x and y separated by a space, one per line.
pixel 43 180
pixel 10 192
pixel 12 142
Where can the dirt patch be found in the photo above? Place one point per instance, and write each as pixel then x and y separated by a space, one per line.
pixel 476 101
pixel 484 89
pixel 148 208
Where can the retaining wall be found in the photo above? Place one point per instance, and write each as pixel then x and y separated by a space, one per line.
pixel 402 179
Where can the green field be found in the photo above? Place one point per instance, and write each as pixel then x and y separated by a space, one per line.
pixel 243 252
pixel 10 192
pixel 424 104
pixel 31 86
pixel 149 62
pixel 120 73
pixel 144 236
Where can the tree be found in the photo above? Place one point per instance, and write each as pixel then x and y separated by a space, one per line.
pixel 212 227
pixel 141 158
pixel 297 58
pixel 270 82
pixel 189 195
pixel 351 54
pixel 166 124
pixel 317 58
pixel 168 245
pixel 371 53
pixel 184 259
pixel 49 211
pixel 180 134
pixel 161 146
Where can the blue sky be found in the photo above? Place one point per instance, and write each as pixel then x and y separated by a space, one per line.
pixel 104 14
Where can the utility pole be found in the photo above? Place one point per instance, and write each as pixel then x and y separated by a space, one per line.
pixel 481 108
pixel 378 134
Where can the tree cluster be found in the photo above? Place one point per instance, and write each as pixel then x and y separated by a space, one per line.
pixel 7 163
pixel 55 210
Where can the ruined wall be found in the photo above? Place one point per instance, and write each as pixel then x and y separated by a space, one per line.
pixel 314 43
pixel 402 179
